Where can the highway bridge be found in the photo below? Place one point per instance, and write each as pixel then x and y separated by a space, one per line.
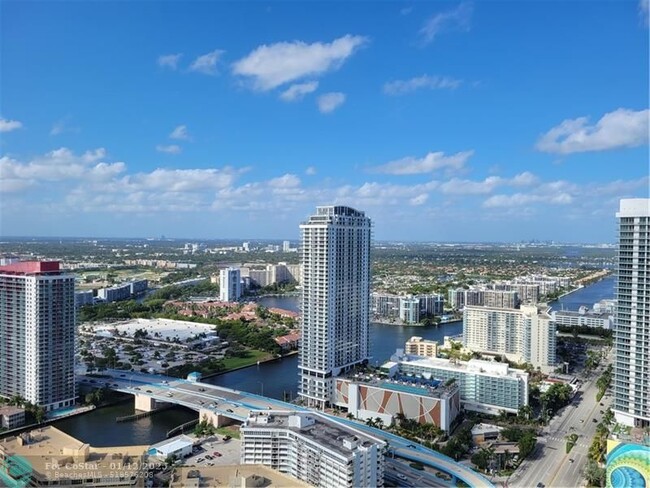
pixel 225 406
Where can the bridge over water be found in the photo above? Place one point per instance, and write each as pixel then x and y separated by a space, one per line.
pixel 226 406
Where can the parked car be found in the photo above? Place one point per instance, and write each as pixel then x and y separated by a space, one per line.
pixel 217 453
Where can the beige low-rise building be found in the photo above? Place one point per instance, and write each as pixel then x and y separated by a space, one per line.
pixel 50 457
pixel 233 476
pixel 417 346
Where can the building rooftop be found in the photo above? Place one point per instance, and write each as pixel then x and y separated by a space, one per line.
pixel 324 431
pixel 479 366
pixel 11 410
pixel 172 445
pixel 31 267
pixel 233 476
pixel 485 428
pixel 53 454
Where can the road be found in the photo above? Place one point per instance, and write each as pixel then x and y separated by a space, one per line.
pixel 238 404
pixel 548 463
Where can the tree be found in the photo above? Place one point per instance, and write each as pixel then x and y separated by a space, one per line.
pixel 525 412
pixel 594 474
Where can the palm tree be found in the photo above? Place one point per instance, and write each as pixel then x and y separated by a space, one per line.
pixel 525 412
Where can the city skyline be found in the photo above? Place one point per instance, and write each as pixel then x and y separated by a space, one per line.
pixel 445 122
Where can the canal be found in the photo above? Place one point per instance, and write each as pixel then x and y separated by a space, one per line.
pixel 275 379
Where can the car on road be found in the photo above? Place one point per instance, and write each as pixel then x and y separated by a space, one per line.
pixel 217 453
pixel 137 387
pixel 200 460
pixel 122 375
pixel 226 438
pixel 540 485
pixel 401 476
pixel 229 410
pixel 201 389
pixel 594 420
pixel 570 460
pixel 149 391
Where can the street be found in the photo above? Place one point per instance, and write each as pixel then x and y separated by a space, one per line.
pixel 548 463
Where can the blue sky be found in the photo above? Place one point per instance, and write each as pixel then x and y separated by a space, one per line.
pixel 444 121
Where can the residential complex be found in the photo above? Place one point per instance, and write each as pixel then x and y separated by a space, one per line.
pixel 583 318
pixel 229 285
pixel 525 335
pixel 37 333
pixel 123 291
pixel 484 386
pixel 313 448
pixel 335 299
pixel 410 309
pixel 632 316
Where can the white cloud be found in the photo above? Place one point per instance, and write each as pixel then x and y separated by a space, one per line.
pixel 298 91
pixel 401 87
pixel 270 66
pixel 311 170
pixel 524 179
pixel 285 181
pixel 180 133
pixel 207 63
pixel 521 199
pixel 169 60
pixel 61 126
pixel 644 11
pixel 58 165
pixel 328 102
pixel 419 200
pixel 617 129
pixel 456 19
pixel 170 149
pixel 469 187
pixel 431 162
pixel 7 125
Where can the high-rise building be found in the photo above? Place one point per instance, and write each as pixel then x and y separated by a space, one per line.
pixel 522 335
pixel 229 284
pixel 37 334
pixel 632 315
pixel 286 246
pixel 313 448
pixel 335 299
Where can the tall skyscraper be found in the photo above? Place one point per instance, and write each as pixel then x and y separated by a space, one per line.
pixel 632 315
pixel 37 334
pixel 229 284
pixel 335 299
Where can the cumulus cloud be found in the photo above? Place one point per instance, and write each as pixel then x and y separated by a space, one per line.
pixel 401 87
pixel 520 199
pixel 458 19
pixel 7 125
pixel 169 60
pixel 270 66
pixel 617 129
pixel 207 63
pixel 180 133
pixel 419 200
pixel 328 102
pixel 311 170
pixel 298 91
pixel 57 165
pixel 432 161
pixel 170 149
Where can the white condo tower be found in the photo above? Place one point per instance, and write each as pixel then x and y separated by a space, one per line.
pixel 335 255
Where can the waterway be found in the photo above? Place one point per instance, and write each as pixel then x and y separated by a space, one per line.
pixel 587 296
pixel 276 379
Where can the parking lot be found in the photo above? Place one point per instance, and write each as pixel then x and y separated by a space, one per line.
pixel 227 452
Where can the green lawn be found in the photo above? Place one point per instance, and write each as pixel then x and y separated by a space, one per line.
pixel 252 356
pixel 231 431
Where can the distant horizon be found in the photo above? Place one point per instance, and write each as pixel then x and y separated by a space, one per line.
pixel 295 240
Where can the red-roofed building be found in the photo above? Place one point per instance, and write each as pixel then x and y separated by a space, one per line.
pixel 37 333
pixel 288 342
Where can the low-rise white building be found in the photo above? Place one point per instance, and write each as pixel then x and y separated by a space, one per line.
pixel 313 448
pixel 12 417
pixel 485 386
pixel 583 318
pixel 178 447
